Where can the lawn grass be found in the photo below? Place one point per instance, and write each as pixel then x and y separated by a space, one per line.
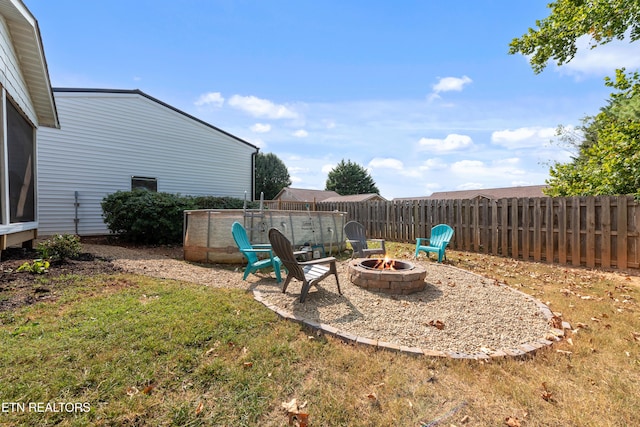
pixel 141 351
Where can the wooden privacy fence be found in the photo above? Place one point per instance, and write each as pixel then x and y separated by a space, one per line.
pixel 587 231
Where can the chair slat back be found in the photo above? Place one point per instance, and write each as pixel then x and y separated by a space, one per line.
pixel 242 241
pixel 355 231
pixel 283 249
pixel 440 234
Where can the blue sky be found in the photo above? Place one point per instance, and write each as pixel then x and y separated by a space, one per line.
pixel 421 93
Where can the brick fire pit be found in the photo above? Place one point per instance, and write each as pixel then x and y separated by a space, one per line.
pixel 405 278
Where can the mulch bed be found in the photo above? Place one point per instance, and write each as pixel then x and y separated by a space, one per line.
pixel 18 289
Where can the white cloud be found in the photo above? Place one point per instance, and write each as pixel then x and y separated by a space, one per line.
pixel 451 142
pixel 261 128
pixel 603 59
pixel 212 98
pixel 433 165
pixel 448 84
pixel 386 163
pixel 297 169
pixel 523 137
pixel 301 133
pixel 327 168
pixel 470 186
pixel 497 169
pixel 261 107
pixel 329 124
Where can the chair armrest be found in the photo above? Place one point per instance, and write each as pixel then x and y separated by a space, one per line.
pixel 261 246
pixel 420 240
pixel 265 250
pixel 326 260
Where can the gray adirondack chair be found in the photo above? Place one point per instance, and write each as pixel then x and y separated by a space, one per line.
pixel 356 236
pixel 308 272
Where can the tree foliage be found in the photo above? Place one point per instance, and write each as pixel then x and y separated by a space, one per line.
pixel 271 175
pixel 608 158
pixel 556 35
pixel 350 178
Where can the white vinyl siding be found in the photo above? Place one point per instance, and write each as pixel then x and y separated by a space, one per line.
pixel 106 138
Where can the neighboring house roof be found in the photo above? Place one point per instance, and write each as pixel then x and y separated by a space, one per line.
pixel 164 104
pixel 489 193
pixel 304 195
pixel 25 35
pixel 357 198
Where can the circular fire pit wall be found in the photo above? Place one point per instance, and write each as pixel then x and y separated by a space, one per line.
pixel 388 276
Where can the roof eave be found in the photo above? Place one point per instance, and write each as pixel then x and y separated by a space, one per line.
pixel 25 34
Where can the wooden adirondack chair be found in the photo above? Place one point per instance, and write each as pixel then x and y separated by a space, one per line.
pixel 308 272
pixel 440 236
pixel 251 252
pixel 356 236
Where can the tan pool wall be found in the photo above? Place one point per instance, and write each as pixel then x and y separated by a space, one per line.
pixel 207 233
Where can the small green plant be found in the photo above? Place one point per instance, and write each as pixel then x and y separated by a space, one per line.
pixel 60 247
pixel 38 266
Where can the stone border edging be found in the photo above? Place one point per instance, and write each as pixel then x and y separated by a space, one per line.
pixel 553 335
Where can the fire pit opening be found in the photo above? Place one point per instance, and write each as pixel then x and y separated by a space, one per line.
pixel 386 264
pixel 389 276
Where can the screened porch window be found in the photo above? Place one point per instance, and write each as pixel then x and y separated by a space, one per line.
pixel 21 163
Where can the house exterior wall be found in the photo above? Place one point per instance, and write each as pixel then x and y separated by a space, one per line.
pixel 107 137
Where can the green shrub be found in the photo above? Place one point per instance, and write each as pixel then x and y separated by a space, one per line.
pixel 146 217
pixel 60 247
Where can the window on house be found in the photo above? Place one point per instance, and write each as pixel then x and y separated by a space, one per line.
pixel 21 162
pixel 144 182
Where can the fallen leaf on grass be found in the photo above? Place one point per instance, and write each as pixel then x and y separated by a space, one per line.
pixel 199 408
pixel 296 416
pixel 247 364
pixel 512 422
pixel 546 394
pixel 148 389
pixel 299 420
pixel 636 336
pixel 132 391
pixel 292 406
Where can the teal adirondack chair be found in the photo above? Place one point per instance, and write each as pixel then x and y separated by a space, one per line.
pixel 251 252
pixel 440 236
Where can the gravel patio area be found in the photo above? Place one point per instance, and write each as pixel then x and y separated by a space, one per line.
pixel 459 314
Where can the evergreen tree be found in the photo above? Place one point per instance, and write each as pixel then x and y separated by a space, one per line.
pixel 350 178
pixel 271 175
